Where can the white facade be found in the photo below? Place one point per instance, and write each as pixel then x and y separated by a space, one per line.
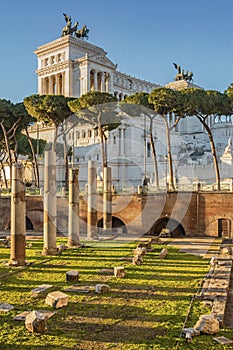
pixel 72 67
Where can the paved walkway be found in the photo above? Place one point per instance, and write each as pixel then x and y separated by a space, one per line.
pixel 203 246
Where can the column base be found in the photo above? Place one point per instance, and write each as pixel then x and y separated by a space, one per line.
pixel 73 244
pixel 16 263
pixel 50 251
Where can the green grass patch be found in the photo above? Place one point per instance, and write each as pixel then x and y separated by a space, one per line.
pixel 145 310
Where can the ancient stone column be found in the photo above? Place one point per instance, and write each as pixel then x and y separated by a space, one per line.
pixel 18 215
pixel 92 200
pixel 73 224
pixel 107 198
pixel 50 210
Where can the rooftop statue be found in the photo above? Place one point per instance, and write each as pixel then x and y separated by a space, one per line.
pixel 70 30
pixel 181 75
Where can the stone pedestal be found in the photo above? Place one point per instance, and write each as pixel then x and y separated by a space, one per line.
pixel 102 288
pixel 72 276
pixel 119 271
pixel 73 225
pixel 50 210
pixel 36 322
pixel 57 299
pixel 18 215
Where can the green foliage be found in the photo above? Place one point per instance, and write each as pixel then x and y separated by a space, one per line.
pixel 204 103
pixel 25 149
pixel 98 109
pixel 137 105
pixel 50 109
pixel 166 101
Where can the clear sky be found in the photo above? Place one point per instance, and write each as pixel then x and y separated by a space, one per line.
pixel 143 37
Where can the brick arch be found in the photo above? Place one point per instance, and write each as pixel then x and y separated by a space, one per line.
pixel 28 222
pixel 174 226
pixel 212 228
pixel 116 223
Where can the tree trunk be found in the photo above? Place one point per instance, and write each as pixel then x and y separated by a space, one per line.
pixel 154 154
pixel 66 163
pixel 4 173
pixel 101 133
pixel 7 149
pixel 169 155
pixel 213 150
pixel 34 160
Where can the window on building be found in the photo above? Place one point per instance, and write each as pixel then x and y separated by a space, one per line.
pixel 77 134
pixel 97 157
pixel 148 150
pixel 84 134
pixel 114 140
pixel 89 132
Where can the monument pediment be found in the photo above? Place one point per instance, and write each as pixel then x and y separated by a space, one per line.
pixel 103 60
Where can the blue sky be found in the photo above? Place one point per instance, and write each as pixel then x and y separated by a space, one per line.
pixel 143 37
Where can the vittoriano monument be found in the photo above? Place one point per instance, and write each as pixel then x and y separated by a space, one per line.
pixel 181 75
pixel 73 30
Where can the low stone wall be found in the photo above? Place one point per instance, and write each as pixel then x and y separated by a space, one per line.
pixel 215 288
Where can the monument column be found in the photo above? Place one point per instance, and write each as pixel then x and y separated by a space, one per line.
pixel 92 200
pixel 95 81
pixel 103 82
pixel 18 215
pixel 110 84
pixel 51 85
pixel 50 210
pixel 57 77
pixel 107 198
pixel 73 227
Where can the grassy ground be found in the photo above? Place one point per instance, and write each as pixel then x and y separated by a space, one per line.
pixel 145 310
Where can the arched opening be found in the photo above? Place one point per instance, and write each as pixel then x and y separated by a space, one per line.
pixel 224 228
pixel 174 227
pixel 117 225
pixel 29 225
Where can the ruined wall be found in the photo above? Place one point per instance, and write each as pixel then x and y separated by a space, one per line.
pixel 198 213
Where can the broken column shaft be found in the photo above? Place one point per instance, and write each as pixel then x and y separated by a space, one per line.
pixel 50 210
pixel 18 215
pixel 73 225
pixel 92 201
pixel 107 199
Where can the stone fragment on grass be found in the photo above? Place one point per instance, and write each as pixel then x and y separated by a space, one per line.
pixel 137 260
pixel 226 251
pixel 140 251
pixel 163 253
pixel 72 276
pixel 57 299
pixel 192 331
pixel 223 340
pixel 61 248
pixel 125 258
pixel 102 288
pixel 5 307
pixel 36 322
pixel 119 271
pixel 106 272
pixel 207 324
pixel 79 289
pixel 213 261
pixel 22 316
pixel 42 288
